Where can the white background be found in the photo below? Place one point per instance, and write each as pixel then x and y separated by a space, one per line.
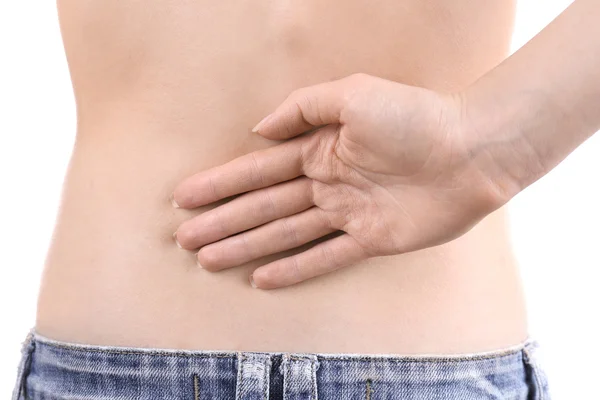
pixel 555 223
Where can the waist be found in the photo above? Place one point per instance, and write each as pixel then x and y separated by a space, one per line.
pixel 57 369
pixel 114 275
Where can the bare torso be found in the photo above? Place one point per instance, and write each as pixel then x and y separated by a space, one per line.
pixel 165 89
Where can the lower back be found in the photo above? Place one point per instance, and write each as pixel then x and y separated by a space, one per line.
pixel 165 90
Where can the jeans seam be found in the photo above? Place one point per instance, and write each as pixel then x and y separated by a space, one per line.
pixel 196 388
pixel 400 359
pixel 368 390
pixel 26 353
pixel 534 369
pixel 240 380
pixel 313 376
pixel 266 380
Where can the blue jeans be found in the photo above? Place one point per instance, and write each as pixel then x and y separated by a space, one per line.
pixel 56 370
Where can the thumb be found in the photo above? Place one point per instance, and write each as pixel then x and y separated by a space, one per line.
pixel 305 109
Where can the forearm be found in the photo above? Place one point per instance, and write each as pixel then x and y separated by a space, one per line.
pixel 527 114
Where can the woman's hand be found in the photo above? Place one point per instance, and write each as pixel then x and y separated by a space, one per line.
pixel 385 164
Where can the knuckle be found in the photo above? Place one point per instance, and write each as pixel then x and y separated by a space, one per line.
pixel 219 222
pixel 266 204
pixel 329 256
pixel 247 247
pixel 356 94
pixel 294 270
pixel 306 102
pixel 212 187
pixel 256 174
pixel 301 101
pixel 294 99
pixel 288 233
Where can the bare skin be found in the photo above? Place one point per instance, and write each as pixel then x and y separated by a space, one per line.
pixel 394 168
pixel 167 90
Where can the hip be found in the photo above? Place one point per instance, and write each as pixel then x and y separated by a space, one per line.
pixel 114 276
pixel 461 297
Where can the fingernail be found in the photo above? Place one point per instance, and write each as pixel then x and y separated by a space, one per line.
pixel 173 202
pixel 176 242
pixel 261 123
pixel 251 279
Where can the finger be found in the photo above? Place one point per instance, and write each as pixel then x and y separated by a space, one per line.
pixel 249 172
pixel 307 108
pixel 325 257
pixel 247 211
pixel 274 237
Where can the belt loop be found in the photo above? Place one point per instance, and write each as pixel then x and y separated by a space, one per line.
pixel 23 369
pixel 254 370
pixel 299 376
pixel 537 379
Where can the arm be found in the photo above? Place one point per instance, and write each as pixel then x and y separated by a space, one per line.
pixel 527 114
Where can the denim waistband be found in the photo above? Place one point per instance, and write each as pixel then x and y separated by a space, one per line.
pixel 53 369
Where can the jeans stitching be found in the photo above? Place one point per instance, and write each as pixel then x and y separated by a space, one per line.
pixel 529 359
pixel 266 379
pixel 240 377
pixel 286 378
pixel 26 354
pixel 196 389
pixel 313 378
pixel 400 359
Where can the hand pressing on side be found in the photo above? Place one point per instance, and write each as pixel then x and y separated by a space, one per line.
pixel 385 164
pixel 396 168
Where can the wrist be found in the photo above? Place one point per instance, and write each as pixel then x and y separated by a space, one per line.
pixel 495 145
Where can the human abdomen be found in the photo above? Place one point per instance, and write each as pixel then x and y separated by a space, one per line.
pixel 165 89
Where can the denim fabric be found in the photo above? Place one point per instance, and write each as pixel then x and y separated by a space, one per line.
pixel 55 370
